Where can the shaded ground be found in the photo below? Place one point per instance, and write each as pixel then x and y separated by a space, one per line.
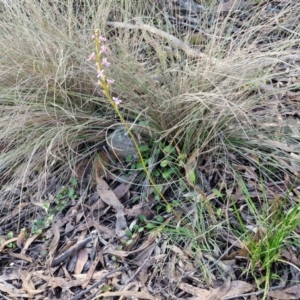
pixel 93 233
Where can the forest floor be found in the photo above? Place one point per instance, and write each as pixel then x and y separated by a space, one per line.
pixel 211 93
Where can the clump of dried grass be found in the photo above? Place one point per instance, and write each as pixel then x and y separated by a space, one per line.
pixel 209 104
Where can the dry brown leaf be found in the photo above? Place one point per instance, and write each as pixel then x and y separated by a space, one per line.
pixel 92 223
pixel 138 210
pixel 96 276
pixel 124 187
pixel 22 238
pixel 74 249
pixel 290 256
pixel 144 254
pixel 121 253
pixel 28 285
pixel 238 287
pixel 17 210
pixel 3 244
pixel 55 240
pixel 82 258
pixel 54 282
pixel 21 256
pixel 28 242
pixel 91 271
pixel 281 295
pixel 292 292
pixel 110 199
pixel 13 292
pixel 230 5
pixel 201 294
pixel 142 276
pixel 220 292
pixel 295 289
pixel 138 295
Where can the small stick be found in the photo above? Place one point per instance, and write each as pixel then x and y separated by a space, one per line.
pixel 171 38
pixel 71 251
pixel 96 284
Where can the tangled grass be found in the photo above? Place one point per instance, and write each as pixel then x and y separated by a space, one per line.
pixel 215 102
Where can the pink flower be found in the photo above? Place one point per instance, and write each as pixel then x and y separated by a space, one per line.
pixel 117 100
pixel 100 73
pixel 103 49
pixel 110 81
pixel 92 56
pixel 102 39
pixel 105 62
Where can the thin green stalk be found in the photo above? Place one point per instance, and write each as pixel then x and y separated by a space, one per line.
pixel 105 84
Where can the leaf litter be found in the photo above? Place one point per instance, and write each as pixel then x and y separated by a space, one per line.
pixel 84 257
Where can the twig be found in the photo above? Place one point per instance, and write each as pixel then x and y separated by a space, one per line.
pixel 71 251
pixel 138 270
pixel 96 284
pixel 254 293
pixel 171 38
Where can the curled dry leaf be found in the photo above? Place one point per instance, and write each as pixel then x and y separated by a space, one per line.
pixel 204 294
pixel 82 258
pixel 238 287
pixel 138 295
pixel 292 292
pixel 110 199
pixel 21 238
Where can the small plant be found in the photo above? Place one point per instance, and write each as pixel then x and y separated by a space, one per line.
pixel 271 234
pixel 64 196
pixel 105 84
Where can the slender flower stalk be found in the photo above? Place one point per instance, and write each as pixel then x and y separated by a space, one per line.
pixel 105 85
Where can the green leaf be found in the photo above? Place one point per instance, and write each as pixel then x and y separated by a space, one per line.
pixel 164 163
pixel 71 192
pixel 166 174
pixel 156 173
pixel 182 156
pixel 160 219
pixel 150 226
pixel 144 148
pixel 143 123
pixel 73 181
pixel 129 242
pixel 168 208
pixel 168 149
pixel 217 193
pixel 128 233
pixel 142 218
pixel 128 158
pixel 10 235
pixel 175 203
pixel 192 176
pixel 139 166
pixel 156 151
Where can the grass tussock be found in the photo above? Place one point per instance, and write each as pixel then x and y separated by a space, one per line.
pixel 222 102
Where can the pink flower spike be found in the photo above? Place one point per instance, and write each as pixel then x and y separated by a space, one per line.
pixel 110 81
pixel 102 39
pixel 117 100
pixel 103 49
pixel 105 62
pixel 93 37
pixel 100 73
pixel 92 56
